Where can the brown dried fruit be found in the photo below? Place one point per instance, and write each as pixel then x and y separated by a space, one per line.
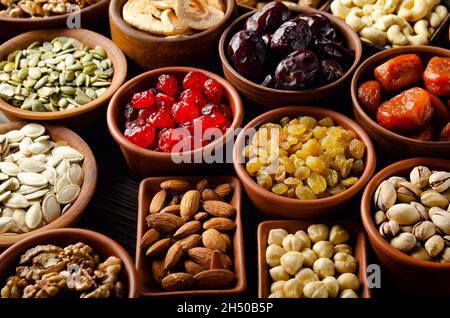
pixel 187 229
pixel 150 237
pixel 209 194
pixel 172 209
pixel 177 281
pixel 202 185
pixel 227 240
pixel 190 242
pixel 219 208
pixel 173 256
pixel 189 204
pixel 214 279
pixel 201 255
pixel 158 201
pixel 158 270
pixel 220 224
pixel 216 261
pixel 212 239
pixel 192 267
pixel 164 222
pixel 224 190
pixel 158 247
pixel 201 216
pixel 176 186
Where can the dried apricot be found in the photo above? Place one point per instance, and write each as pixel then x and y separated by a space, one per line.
pixel 426 134
pixel 437 76
pixel 369 95
pixel 399 72
pixel 406 112
pixel 445 133
pixel 441 114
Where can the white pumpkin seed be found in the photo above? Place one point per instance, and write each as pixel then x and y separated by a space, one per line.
pixel 14 136
pixel 75 174
pixel 36 195
pixel 4 196
pixel 33 130
pixel 19 219
pixel 51 209
pixel 7 212
pixel 5 185
pixel 40 157
pixel 34 216
pixel 14 145
pixel 17 201
pixel 15 157
pixel 40 147
pixel 31 165
pixel 50 174
pixel 66 208
pixel 61 182
pixel 62 167
pixel 26 189
pixel 53 161
pixel 68 153
pixel 68 194
pixel 32 179
pixel 5 224
pixel 15 184
pixel 9 168
pixel 24 144
pixel 42 138
pixel 3 176
pixel 2 138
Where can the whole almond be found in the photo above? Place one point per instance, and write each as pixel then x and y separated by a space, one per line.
pixel 216 261
pixel 214 279
pixel 172 209
pixel 158 202
pixel 202 185
pixel 158 270
pixel 224 190
pixel 158 248
pixel 164 222
pixel 201 255
pixel 219 208
pixel 212 239
pixel 192 267
pixel 209 194
pixel 201 216
pixel 227 239
pixel 191 241
pixel 187 229
pixel 220 224
pixel 189 204
pixel 177 281
pixel 226 261
pixel 150 237
pixel 173 256
pixel 176 186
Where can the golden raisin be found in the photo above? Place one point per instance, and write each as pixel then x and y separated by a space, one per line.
pixel 280 188
pixel 302 173
pixel 264 179
pixel 304 193
pixel 315 163
pixel 308 121
pixel 317 183
pixel 326 122
pixel 349 181
pixel 331 176
pixel 292 182
pixel 356 148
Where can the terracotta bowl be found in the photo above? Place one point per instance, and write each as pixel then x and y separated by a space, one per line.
pixel 82 116
pixel 74 213
pixel 394 144
pixel 150 51
pixel 357 242
pixel 89 17
pixel 101 244
pixel 414 275
pixel 144 162
pixel 149 288
pixel 278 206
pixel 271 97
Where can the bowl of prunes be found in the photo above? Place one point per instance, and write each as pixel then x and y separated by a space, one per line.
pixel 299 54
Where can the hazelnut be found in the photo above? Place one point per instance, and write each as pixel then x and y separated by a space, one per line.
pixel 323 249
pixel 318 232
pixel 278 273
pixel 279 285
pixel 305 238
pixel 292 262
pixel 276 236
pixel 343 248
pixel 277 294
pixel 445 255
pixel 420 253
pixel 324 267
pixel 309 257
pixel 332 286
pixel 404 242
pixel 348 293
pixel 273 255
pixel 348 281
pixel 293 288
pixel 434 245
pixel 315 290
pixel 292 243
pixel 307 275
pixel 344 263
pixel 338 235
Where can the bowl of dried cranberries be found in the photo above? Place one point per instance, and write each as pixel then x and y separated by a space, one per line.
pixel 169 117
pixel 402 98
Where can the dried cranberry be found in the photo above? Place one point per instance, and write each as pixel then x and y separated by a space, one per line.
pixel 194 80
pixel 297 70
pixel 212 108
pixel 143 99
pixel 330 71
pixel 189 125
pixel 130 112
pixel 161 118
pixel 163 100
pixel 247 52
pixel 214 120
pixel 140 133
pixel 165 140
pixel 183 111
pixel 321 27
pixel 194 97
pixel 167 84
pixel 268 18
pixel 145 113
pixel 291 36
pixel 213 91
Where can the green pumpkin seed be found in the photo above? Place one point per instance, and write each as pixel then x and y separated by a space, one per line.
pixel 6 90
pixel 37 106
pixel 23 73
pixel 8 67
pixel 68 90
pixel 41 82
pixel 34 73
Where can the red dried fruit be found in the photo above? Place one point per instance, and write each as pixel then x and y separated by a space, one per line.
pixel 161 118
pixel 167 84
pixel 189 125
pixel 369 96
pixel 163 100
pixel 399 72
pixel 214 120
pixel 183 111
pixel 194 80
pixel 213 91
pixel 427 134
pixel 195 97
pixel 212 108
pixel 437 76
pixel 143 99
pixel 441 114
pixel 406 112
pixel 140 133
pixel 145 113
pixel 130 112
pixel 445 133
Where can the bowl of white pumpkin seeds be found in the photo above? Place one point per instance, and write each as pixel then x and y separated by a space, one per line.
pixel 48 175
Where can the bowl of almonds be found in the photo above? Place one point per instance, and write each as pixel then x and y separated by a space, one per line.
pixel 48 176
pixel 190 239
pixel 405 211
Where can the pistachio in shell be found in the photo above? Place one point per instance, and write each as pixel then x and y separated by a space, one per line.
pixel 403 214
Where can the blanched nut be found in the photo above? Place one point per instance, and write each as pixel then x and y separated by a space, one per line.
pixel 304 238
pixel 309 257
pixel 387 6
pixel 323 267
pixel 339 9
pixel 422 34
pixel 278 273
pixel 348 281
pixel 445 255
pixel 339 235
pixel 315 290
pixel 345 263
pixel 413 10
pixel 276 286
pixel 362 3
pixel 373 36
pixel 332 286
pixel 277 294
pixel 348 293
pixel 276 236
pixel 343 248
pixel 307 275
pixel 202 18
pixel 273 255
pixel 293 288
pixel 318 232
pixel 292 243
pixel 292 261
pixel 437 15
pixel 323 249
pixel 357 20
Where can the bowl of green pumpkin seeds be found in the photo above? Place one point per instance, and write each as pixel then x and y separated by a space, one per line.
pixel 64 76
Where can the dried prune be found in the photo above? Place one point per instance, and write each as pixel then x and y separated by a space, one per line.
pixel 437 76
pixel 297 70
pixel 441 114
pixel 321 27
pixel 369 96
pixel 399 71
pixel 337 52
pixel 445 133
pixel 268 18
pixel 330 71
pixel 247 51
pixel 291 36
pixel 267 38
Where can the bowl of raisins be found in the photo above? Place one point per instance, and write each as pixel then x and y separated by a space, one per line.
pixel 278 56
pixel 402 98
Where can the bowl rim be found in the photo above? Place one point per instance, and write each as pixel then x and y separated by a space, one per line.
pixel 146 36
pixel 87 188
pixel 120 72
pixel 411 49
pixel 113 106
pixel 367 218
pixel 342 25
pixel 369 168
pixel 101 239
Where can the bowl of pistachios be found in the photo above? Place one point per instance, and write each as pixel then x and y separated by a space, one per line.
pixel 406 213
pixel 59 75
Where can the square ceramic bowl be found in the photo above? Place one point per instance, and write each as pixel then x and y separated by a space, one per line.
pixel 149 288
pixel 357 242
